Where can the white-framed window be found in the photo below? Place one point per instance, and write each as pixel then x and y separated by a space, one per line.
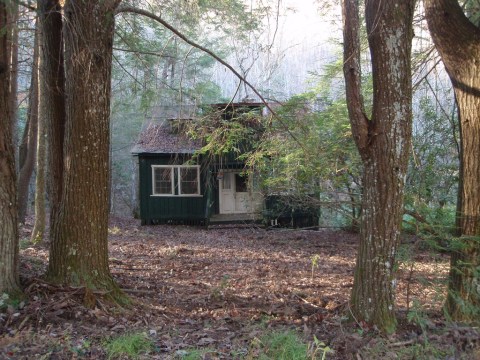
pixel 175 180
pixel 189 180
pixel 162 180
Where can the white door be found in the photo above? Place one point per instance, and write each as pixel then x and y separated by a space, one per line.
pixel 227 193
pixel 234 195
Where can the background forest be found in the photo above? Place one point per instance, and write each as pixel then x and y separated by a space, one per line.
pixel 152 67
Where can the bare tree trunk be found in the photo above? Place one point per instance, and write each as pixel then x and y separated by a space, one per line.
pixel 9 281
pixel 79 249
pixel 383 142
pixel 52 100
pixel 458 42
pixel 28 147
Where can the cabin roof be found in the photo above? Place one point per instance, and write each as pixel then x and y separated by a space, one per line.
pixel 159 137
pixel 160 134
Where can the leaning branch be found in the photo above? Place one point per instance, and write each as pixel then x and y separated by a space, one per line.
pixel 419 218
pixel 134 10
pixel 131 9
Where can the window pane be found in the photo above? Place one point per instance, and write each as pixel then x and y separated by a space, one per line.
pixel 240 183
pixel 188 181
pixel 227 184
pixel 163 181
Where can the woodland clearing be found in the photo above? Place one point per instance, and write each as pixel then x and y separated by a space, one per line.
pixel 218 293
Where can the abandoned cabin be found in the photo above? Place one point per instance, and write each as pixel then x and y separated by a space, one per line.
pixel 177 184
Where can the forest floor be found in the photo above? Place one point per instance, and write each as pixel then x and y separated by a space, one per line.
pixel 229 292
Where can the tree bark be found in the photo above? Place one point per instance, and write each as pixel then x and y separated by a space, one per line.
pixel 13 19
pixel 9 281
pixel 40 180
pixel 52 100
pixel 383 143
pixel 458 42
pixel 79 252
pixel 28 147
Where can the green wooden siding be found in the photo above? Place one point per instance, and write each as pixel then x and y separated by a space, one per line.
pixel 180 209
pixel 164 209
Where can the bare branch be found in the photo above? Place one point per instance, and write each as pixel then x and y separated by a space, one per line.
pixel 134 10
pixel 131 9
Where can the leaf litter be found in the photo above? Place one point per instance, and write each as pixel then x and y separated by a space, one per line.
pixel 220 289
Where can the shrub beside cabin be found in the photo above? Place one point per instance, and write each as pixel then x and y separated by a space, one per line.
pixel 179 186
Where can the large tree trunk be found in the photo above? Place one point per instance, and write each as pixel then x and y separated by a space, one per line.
pixel 52 100
pixel 28 146
pixel 79 253
pixel 458 42
pixel 9 282
pixel 383 143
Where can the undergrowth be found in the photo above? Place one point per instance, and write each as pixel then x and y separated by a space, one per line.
pixel 286 345
pixel 131 345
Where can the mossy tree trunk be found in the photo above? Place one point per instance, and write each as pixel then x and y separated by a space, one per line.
pixel 79 253
pixel 383 143
pixel 9 281
pixel 457 40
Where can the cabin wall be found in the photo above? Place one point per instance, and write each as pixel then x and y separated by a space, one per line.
pixel 171 209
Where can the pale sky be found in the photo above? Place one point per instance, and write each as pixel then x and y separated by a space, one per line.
pixel 302 46
pixel 307 24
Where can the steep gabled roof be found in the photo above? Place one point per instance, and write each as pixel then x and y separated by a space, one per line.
pixel 162 138
pixel 163 133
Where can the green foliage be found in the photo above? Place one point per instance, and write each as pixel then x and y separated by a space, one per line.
pixel 287 346
pixel 434 166
pixel 81 349
pixel 11 300
pixel 234 135
pixel 314 259
pixel 4 300
pixel 311 156
pixel 194 354
pixel 435 225
pixel 130 345
pixel 431 184
pixel 25 243
pixel 465 297
pixel 207 92
pixel 417 316
pixel 319 348
pixel 470 312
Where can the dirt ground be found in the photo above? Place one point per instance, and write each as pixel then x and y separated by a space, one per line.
pixel 224 288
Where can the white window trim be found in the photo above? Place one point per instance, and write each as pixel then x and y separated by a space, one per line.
pixel 172 188
pixel 176 168
pixel 180 182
